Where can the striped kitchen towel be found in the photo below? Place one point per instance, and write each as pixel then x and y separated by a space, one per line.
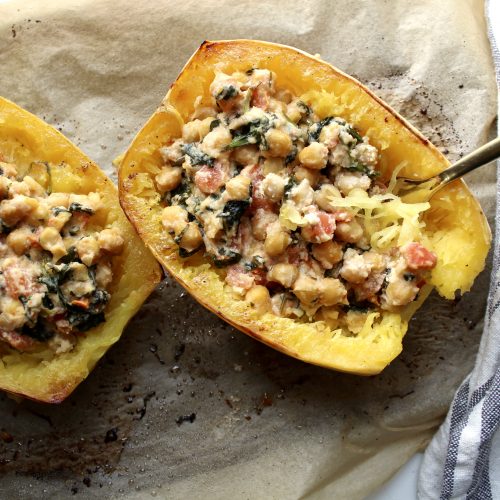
pixel 463 459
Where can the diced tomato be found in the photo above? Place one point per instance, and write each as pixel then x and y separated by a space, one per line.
pixel 20 282
pixel 81 303
pixel 418 257
pixel 322 231
pixel 259 276
pixel 238 277
pixel 261 203
pixel 258 198
pixel 17 341
pixel 296 254
pixel 260 97
pixel 209 179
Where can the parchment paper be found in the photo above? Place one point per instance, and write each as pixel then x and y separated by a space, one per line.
pixel 185 406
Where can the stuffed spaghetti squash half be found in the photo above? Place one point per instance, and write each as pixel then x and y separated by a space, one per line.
pixel 266 184
pixel 72 269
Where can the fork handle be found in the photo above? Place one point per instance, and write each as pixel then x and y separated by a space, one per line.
pixel 489 152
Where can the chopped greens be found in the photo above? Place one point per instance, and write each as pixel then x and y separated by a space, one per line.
pixel 225 257
pixel 356 166
pixel 232 213
pixel 251 133
pixel 77 207
pixel 316 128
pixel 214 124
pixel 196 156
pixel 226 93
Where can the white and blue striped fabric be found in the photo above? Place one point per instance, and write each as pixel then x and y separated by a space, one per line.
pixel 463 459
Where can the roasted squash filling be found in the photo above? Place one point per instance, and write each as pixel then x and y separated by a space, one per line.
pixel 291 206
pixel 55 264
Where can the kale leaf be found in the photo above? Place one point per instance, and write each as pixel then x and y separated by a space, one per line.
pixel 232 213
pixel 196 156
pixel 316 128
pixel 226 93
pixel 252 132
pixel 225 257
pixel 78 207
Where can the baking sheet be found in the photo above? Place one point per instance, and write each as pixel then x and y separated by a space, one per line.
pixel 185 405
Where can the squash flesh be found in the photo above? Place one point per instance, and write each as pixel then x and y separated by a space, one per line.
pixel 329 92
pixel 42 375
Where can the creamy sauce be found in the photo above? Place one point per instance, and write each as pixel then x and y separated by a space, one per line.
pixel 251 182
pixel 54 271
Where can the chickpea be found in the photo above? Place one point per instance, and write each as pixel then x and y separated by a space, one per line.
pixel 103 275
pixel 376 261
pixel 88 250
pixel 34 188
pixel 314 156
pixel 196 130
pixel 302 194
pixel 12 314
pixel 278 142
pixel 328 253
pixel 330 135
pixel 272 165
pixel 57 200
pixel 273 187
pixel 399 292
pixel 191 237
pixel 215 141
pixel 259 298
pixel 261 221
pixel 295 112
pixel 111 240
pixel 58 221
pixel 18 240
pixel 51 240
pixel 17 188
pixel 168 178
pixel 246 155
pixel 238 188
pixel 12 211
pixel 174 219
pixel 351 232
pixel 323 194
pixel 347 181
pixel 332 292
pixel 8 169
pixel 284 274
pixel 306 290
pixel 276 242
pixel 302 173
pixel 330 315
pixel 41 212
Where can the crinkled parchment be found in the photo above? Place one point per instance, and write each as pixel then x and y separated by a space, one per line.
pixel 185 406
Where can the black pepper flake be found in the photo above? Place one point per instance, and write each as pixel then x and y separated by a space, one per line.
pixel 185 418
pixel 111 435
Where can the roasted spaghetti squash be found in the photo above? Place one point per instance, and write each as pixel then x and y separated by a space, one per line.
pixel 72 269
pixel 266 184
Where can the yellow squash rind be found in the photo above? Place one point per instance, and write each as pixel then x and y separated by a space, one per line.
pixel 454 221
pixel 41 375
